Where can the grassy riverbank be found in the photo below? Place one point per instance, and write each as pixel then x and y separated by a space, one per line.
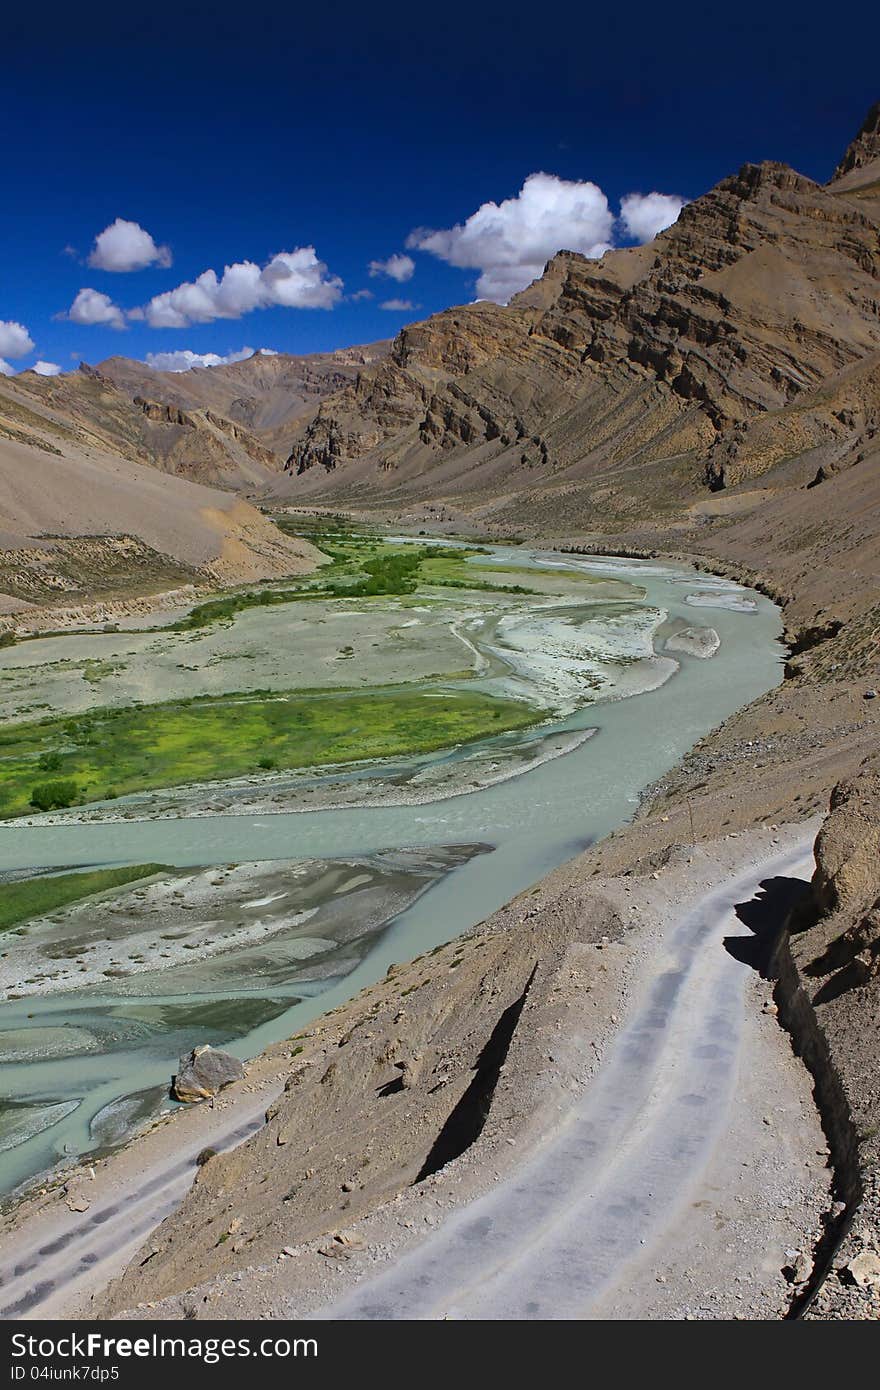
pixel 52 763
pixel 31 897
pixel 363 567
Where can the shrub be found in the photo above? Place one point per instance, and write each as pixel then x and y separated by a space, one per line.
pixel 54 796
pixel 7 638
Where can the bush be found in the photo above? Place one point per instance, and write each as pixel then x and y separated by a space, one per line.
pixel 7 639
pixel 54 796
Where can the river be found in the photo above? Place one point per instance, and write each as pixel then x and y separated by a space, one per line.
pixel 85 1097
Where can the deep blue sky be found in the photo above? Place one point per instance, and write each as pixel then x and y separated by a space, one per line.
pixel 230 133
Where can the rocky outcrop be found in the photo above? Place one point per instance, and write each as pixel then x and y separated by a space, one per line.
pixel 831 974
pixel 164 414
pixel 847 877
pixel 203 1072
pixel 866 146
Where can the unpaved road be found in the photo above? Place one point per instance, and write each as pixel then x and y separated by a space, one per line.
pixel 549 1241
pixel 53 1262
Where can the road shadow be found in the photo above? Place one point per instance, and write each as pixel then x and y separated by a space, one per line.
pixel 852 976
pixel 764 915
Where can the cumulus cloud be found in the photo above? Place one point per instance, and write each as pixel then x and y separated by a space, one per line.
pixel 184 360
pixel 360 295
pixel 509 243
pixel 643 215
pixel 292 280
pixel 46 368
pixel 15 341
pixel 93 307
pixel 127 246
pixel 6 369
pixel 397 267
pixel 399 306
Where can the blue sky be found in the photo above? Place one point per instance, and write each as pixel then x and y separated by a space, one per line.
pixel 230 136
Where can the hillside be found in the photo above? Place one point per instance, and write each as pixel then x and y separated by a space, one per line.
pixel 87 518
pixel 742 344
pixel 264 397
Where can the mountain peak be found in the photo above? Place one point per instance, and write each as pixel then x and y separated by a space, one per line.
pixel 866 146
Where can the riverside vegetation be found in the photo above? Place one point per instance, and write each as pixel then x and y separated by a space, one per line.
pixel 31 897
pixel 112 752
pixel 57 762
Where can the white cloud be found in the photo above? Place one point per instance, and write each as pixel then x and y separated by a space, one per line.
pixel 397 267
pixel 15 341
pixel 292 280
pixel 6 369
pixel 511 242
pixel 127 246
pixel 359 295
pixel 643 215
pixel 184 360
pixel 46 368
pixel 400 306
pixel 93 307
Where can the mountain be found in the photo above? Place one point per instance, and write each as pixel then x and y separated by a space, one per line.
pixel 88 519
pixel 118 482
pixel 741 344
pixel 265 396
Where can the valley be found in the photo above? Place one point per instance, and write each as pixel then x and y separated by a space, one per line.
pixel 475 731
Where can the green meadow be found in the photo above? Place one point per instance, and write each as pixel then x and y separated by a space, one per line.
pixel 55 762
pixel 362 567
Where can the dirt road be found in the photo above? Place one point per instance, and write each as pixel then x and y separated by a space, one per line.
pixel 548 1242
pixel 566 1229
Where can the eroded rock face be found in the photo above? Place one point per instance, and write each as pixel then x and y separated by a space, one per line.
pixel 848 846
pixel 837 953
pixel 203 1072
pixel 866 146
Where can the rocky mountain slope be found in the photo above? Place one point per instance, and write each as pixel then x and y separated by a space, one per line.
pixel 225 426
pixel 87 518
pixel 89 407
pixel 259 400
pixel 742 344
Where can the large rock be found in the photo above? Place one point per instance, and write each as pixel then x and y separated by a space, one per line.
pixel 847 873
pixel 203 1072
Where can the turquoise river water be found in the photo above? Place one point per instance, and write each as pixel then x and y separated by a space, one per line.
pixel 79 1099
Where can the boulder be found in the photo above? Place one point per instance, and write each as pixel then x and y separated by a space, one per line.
pixel 203 1072
pixel 864 1270
pixel 847 873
